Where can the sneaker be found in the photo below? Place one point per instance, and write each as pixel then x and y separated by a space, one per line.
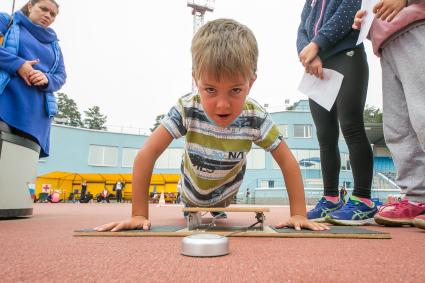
pixel 399 213
pixel 218 214
pixel 353 213
pixel 419 221
pixel 323 208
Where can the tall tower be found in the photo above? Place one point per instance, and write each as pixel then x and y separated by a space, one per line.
pixel 199 7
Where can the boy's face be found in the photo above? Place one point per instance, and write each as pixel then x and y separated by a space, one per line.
pixel 223 101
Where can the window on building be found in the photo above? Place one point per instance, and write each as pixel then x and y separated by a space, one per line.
pixel 256 159
pixel 264 184
pixel 171 158
pixel 267 184
pixel 306 158
pixel 302 131
pixel 128 156
pixel 100 155
pixel 283 130
pixel 345 162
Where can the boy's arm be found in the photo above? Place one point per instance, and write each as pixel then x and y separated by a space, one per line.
pixel 143 167
pixel 142 172
pixel 294 185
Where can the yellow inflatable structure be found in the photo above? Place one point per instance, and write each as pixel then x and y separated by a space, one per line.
pixel 67 182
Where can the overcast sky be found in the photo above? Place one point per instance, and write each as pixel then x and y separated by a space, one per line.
pixel 132 58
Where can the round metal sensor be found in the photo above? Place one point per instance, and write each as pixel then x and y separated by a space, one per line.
pixel 205 245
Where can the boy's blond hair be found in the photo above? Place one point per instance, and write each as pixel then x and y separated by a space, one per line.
pixel 224 48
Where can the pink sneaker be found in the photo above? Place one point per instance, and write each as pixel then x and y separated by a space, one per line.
pixel 420 221
pixel 398 214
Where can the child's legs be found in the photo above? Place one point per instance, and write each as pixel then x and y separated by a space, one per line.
pixel 409 64
pixel 403 76
pixel 327 133
pixel 350 106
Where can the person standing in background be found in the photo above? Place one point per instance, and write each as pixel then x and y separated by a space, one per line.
pixel 83 189
pixel 398 38
pixel 118 188
pixel 327 40
pixel 31 70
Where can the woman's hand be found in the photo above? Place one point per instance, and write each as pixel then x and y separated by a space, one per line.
pixel 358 19
pixel 388 9
pixel 315 68
pixel 25 70
pixel 298 222
pixel 135 222
pixel 38 78
pixel 309 53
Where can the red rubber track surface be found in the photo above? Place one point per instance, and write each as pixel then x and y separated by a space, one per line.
pixel 43 249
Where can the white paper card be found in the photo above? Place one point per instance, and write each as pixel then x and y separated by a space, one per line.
pixel 367 21
pixel 323 92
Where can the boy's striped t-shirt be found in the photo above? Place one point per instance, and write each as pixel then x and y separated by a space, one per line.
pixel 214 159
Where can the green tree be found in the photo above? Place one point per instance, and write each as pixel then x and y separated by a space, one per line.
pixel 372 114
pixel 68 113
pixel 94 119
pixel 157 122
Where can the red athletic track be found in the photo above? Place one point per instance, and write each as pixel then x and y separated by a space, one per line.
pixel 43 249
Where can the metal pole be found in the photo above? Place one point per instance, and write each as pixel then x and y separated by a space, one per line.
pixel 198 21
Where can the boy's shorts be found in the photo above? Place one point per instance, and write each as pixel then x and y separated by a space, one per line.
pixel 224 203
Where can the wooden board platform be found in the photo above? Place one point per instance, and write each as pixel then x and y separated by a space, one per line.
pixel 226 209
pixel 180 231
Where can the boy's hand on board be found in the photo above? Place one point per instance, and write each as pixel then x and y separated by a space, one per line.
pixel 297 222
pixel 135 222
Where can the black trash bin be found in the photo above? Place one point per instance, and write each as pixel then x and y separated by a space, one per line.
pixel 18 168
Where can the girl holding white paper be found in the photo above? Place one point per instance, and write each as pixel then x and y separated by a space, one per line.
pixel 327 40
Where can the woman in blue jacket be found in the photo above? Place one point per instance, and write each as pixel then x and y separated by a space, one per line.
pixel 327 40
pixel 31 69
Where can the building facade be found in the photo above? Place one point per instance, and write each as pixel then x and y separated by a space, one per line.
pixel 84 151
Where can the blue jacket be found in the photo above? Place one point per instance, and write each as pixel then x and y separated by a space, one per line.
pixel 24 107
pixel 328 23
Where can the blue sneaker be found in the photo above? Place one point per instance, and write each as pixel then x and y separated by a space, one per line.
pixel 354 213
pixel 323 208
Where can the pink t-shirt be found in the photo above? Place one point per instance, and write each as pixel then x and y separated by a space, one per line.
pixel 381 31
pixel 55 197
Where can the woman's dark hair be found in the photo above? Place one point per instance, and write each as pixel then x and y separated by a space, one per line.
pixel 33 2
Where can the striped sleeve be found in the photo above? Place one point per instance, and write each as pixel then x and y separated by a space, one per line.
pixel 269 135
pixel 173 121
